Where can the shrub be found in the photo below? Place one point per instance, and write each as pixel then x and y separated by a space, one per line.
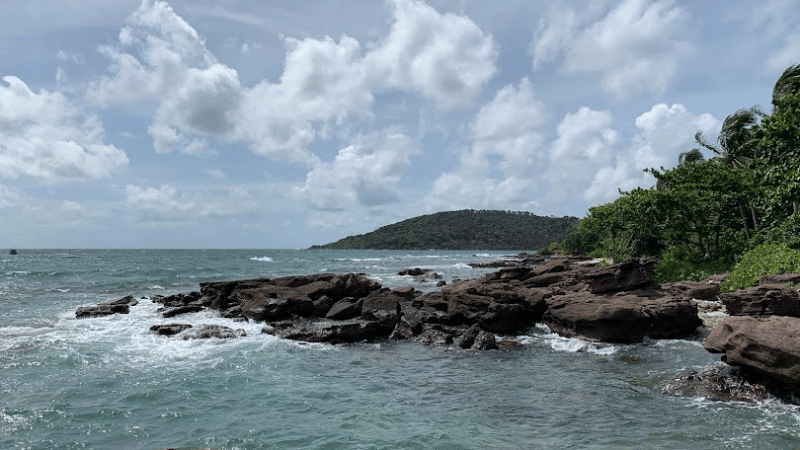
pixel 764 259
pixel 678 264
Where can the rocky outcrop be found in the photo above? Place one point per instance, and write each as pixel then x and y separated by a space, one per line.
pixel 765 346
pixel 763 301
pixel 696 290
pixel 108 308
pixel 619 303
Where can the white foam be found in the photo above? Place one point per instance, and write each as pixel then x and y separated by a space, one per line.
pixel 570 345
pixel 262 259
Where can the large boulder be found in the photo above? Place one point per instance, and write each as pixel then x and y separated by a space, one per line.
pixel 782 278
pixel 763 301
pixel 622 318
pixel 767 346
pixel 270 302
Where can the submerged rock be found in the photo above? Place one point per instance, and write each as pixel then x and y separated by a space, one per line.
pixel 170 329
pixel 212 331
pixel 720 383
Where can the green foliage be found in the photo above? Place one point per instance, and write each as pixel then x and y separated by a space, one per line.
pixel 466 229
pixel 764 259
pixel 678 264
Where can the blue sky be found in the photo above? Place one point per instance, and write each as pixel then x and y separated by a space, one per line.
pixel 282 124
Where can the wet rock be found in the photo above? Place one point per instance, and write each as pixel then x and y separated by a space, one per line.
pixel 762 301
pixel 127 300
pixel 271 302
pixel 335 332
pixel 767 346
pixel 348 308
pixel 178 310
pixel 170 329
pixel 484 341
pixel 720 383
pixel 213 331
pixel 101 311
pixel 322 305
pixel 407 292
pixel 402 331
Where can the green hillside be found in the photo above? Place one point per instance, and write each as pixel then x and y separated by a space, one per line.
pixel 463 230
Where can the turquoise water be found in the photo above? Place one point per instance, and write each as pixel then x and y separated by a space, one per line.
pixel 109 383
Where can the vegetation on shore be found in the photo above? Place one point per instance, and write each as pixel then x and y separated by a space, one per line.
pixel 704 216
pixel 463 230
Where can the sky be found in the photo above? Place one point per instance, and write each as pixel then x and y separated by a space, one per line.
pixel 288 123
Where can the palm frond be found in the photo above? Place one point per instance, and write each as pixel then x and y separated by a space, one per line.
pixel 694 155
pixel 788 83
pixel 701 140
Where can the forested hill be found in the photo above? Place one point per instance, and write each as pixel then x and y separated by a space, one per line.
pixel 463 230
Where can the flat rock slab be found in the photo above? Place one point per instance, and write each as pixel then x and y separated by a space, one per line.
pixel 763 301
pixel 626 318
pixel 769 346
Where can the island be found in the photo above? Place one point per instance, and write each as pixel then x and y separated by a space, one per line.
pixel 467 229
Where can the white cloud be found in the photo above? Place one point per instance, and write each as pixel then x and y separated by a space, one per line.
pixel 586 141
pixel 505 138
pixel 364 174
pixel 445 57
pixel 10 196
pixel 44 136
pixel 636 47
pixel 666 131
pixel 167 205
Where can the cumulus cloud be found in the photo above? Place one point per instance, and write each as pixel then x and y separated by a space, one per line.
pixel 585 142
pixel 506 141
pixel 44 136
pixel 665 132
pixel 635 47
pixel 167 205
pixel 364 174
pixel 445 58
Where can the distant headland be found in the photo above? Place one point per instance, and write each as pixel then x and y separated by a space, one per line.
pixel 467 229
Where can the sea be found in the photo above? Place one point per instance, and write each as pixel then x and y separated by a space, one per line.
pixel 109 383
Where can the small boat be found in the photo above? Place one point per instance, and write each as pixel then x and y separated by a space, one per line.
pixel 13 251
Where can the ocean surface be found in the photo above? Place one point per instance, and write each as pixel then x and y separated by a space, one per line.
pixel 108 383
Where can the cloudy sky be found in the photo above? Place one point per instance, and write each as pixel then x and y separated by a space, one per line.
pixel 287 123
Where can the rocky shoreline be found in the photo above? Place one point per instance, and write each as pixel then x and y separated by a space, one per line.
pixel 574 298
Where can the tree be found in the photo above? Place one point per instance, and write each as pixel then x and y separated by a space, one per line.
pixel 788 83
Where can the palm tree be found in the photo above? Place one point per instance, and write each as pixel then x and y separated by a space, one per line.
pixel 737 138
pixel 788 83
pixel 694 155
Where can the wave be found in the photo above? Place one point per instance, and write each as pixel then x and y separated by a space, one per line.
pixel 262 259
pixel 570 345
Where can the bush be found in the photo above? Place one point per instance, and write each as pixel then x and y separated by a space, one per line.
pixel 544 251
pixel 764 259
pixel 678 264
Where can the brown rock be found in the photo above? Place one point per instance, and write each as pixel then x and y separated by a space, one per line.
pixel 762 301
pixel 783 278
pixel 623 318
pixel 767 346
pixel 698 290
pixel 348 308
